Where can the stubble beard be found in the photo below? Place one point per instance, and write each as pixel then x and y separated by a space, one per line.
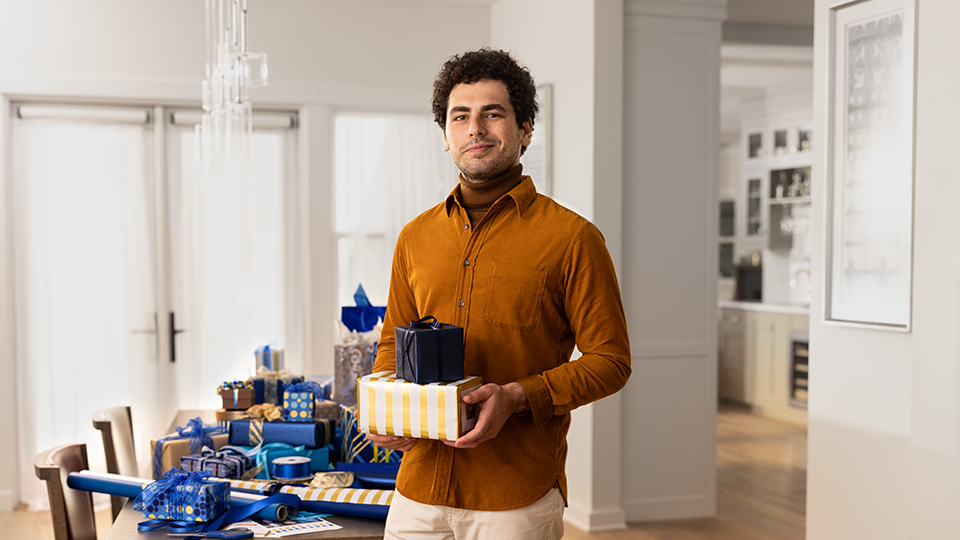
pixel 478 171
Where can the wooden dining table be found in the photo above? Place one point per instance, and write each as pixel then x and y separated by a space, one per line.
pixel 125 528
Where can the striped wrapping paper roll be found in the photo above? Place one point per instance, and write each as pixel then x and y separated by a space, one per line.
pixel 392 406
pixel 368 503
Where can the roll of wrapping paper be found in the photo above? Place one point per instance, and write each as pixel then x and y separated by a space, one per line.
pixel 365 503
pixel 130 487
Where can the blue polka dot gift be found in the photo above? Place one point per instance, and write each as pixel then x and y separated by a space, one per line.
pixel 299 400
pixel 184 496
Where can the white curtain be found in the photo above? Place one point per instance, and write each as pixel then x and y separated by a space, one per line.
pixel 389 168
pixel 83 269
pixel 235 249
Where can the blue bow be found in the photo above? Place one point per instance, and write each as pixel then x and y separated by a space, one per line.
pixel 199 435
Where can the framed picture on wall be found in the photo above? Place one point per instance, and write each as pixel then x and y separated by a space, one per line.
pixel 870 164
pixel 538 158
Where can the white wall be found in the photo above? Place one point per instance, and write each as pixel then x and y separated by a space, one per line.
pixel 671 156
pixel 884 415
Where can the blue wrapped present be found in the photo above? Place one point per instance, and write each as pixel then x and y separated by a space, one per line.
pixel 183 496
pixel 268 386
pixel 429 351
pixel 298 400
pixel 225 463
pixel 314 434
pixel 364 316
pixel 354 447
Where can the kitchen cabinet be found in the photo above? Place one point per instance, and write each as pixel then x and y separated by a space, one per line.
pixel 757 357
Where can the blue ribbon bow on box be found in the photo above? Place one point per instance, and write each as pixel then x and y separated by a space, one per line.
pixel 183 496
pixel 429 351
pixel 198 434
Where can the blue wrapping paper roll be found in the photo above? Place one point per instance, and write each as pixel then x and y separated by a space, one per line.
pixel 130 487
pixel 125 486
pixel 316 434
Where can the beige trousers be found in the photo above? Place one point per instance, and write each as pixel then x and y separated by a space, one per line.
pixel 410 520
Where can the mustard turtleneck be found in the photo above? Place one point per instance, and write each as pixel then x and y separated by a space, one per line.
pixel 477 198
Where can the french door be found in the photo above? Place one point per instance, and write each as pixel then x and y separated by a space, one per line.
pixel 116 234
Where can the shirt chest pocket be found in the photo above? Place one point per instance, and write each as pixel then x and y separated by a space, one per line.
pixel 514 297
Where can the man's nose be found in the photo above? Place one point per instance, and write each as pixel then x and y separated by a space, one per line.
pixel 477 127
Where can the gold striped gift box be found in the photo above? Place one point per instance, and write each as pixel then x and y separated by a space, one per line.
pixel 392 406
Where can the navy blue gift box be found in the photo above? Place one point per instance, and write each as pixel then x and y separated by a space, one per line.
pixel 429 351
pixel 270 389
pixel 314 434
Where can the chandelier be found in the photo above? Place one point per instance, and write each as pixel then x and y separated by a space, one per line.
pixel 224 131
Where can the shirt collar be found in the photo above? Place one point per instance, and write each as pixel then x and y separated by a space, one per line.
pixel 522 196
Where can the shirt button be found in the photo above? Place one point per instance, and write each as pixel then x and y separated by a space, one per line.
pixel 461 303
pixel 466 263
pixel 465 226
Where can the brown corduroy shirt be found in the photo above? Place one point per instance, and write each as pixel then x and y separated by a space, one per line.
pixel 527 281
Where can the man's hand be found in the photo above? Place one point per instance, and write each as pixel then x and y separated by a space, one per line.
pixel 496 404
pixel 393 443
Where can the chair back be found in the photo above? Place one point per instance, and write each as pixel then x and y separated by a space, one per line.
pixel 116 429
pixel 71 509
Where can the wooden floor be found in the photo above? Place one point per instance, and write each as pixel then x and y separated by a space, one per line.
pixel 761 491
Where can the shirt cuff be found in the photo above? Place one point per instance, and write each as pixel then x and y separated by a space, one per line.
pixel 538 397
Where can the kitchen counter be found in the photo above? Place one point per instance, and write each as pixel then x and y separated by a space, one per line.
pixel 792 309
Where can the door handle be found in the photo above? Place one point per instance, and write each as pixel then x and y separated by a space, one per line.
pixel 173 337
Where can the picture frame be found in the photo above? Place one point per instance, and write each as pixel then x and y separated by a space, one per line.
pixel 870 164
pixel 537 159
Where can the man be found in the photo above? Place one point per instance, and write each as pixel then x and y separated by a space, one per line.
pixel 528 280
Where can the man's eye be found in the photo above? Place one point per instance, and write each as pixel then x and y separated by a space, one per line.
pixel 459 117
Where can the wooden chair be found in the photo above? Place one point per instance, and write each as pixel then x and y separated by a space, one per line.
pixel 71 509
pixel 116 428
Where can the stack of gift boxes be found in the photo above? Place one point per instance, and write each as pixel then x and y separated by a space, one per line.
pixel 423 398
pixel 321 419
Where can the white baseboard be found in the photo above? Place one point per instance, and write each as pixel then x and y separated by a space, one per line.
pixel 595 521
pixel 8 501
pixel 683 507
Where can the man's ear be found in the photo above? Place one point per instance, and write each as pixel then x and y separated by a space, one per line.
pixel 526 133
pixel 446 145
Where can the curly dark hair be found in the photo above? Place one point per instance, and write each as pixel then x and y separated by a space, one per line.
pixel 486 64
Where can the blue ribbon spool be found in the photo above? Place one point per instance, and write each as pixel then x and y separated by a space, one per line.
pixel 291 468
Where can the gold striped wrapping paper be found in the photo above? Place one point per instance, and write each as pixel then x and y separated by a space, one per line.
pixel 341 495
pixel 392 406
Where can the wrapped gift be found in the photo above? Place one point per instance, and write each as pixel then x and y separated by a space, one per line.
pixel 227 463
pixel 429 351
pixel 187 440
pixel 350 363
pixel 364 316
pixel 268 385
pixel 236 395
pixel 183 496
pixel 299 400
pixel 313 434
pixel 355 447
pixel 269 357
pixel 393 406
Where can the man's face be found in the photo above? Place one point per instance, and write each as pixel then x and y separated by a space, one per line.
pixel 481 133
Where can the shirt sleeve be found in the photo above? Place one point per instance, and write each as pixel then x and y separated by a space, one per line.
pixel 401 306
pixel 595 311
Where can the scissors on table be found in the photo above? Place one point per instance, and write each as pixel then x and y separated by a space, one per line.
pixel 233 533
